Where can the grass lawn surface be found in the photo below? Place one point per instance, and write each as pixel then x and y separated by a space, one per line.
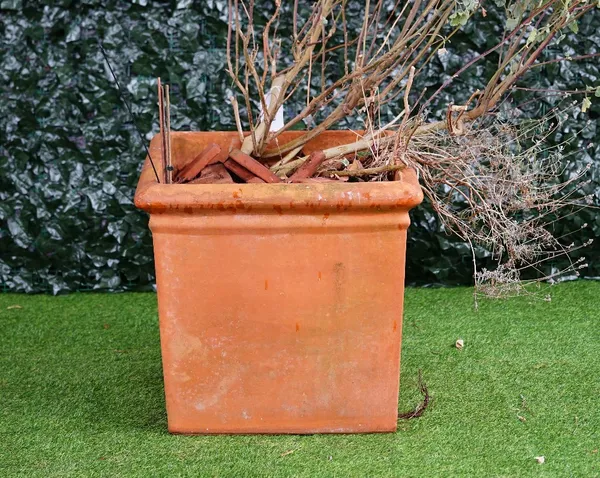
pixel 81 394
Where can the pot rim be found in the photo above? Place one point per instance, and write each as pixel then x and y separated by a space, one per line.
pixel 153 197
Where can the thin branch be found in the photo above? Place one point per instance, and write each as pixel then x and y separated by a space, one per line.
pixel 365 172
pixel 236 115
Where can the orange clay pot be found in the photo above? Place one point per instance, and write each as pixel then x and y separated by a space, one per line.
pixel 280 305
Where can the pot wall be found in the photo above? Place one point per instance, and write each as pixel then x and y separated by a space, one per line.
pixel 280 306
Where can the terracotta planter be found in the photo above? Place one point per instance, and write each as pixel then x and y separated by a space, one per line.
pixel 280 305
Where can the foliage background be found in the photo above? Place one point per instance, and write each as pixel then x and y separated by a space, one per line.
pixel 70 155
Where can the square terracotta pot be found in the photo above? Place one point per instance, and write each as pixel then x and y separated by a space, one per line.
pixel 280 305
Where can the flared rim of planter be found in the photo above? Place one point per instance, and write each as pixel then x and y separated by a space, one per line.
pixel 343 196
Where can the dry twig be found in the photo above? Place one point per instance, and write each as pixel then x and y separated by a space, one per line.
pixel 419 410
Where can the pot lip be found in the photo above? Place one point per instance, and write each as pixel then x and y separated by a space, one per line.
pixel 153 197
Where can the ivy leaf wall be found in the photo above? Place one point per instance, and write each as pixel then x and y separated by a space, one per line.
pixel 70 155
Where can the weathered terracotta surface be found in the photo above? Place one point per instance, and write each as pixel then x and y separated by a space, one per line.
pixel 280 305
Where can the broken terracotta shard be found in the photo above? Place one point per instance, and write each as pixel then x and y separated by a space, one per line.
pixel 213 174
pixel 241 172
pixel 201 161
pixel 252 165
pixel 309 167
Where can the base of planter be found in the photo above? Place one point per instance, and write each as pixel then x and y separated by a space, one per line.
pixel 280 305
pixel 345 428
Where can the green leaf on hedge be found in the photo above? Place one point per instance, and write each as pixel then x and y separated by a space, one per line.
pixel 459 19
pixel 511 23
pixel 532 37
pixel 585 104
pixel 574 27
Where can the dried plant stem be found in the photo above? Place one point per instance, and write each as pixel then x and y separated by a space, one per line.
pixel 268 112
pixel 335 152
pixel 401 137
pixel 367 171
pixel 236 115
pixel 421 407
pixel 288 157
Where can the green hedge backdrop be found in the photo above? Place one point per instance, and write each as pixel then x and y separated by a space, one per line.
pixel 70 155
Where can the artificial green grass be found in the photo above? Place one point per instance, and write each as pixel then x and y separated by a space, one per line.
pixel 81 394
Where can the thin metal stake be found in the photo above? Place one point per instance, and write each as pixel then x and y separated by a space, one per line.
pixel 143 140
